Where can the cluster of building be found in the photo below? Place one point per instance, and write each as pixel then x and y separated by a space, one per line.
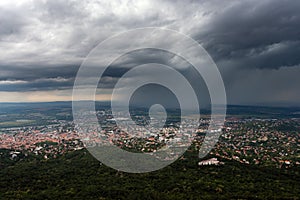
pixel 249 141
pixel 261 141
pixel 48 141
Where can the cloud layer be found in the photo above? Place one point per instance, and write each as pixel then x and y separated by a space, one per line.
pixel 255 44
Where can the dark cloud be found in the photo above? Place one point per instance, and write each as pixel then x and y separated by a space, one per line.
pixel 255 34
pixel 43 43
pixel 32 73
pixel 35 78
pixel 36 85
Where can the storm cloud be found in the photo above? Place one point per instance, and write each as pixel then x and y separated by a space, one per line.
pixel 256 34
pixel 255 44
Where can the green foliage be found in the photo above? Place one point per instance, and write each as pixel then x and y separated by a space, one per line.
pixel 77 175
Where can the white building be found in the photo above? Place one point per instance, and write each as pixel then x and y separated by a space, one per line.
pixel 211 161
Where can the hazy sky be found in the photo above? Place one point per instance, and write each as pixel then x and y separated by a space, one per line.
pixel 255 44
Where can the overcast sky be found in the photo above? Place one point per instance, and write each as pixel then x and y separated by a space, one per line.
pixel 255 43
